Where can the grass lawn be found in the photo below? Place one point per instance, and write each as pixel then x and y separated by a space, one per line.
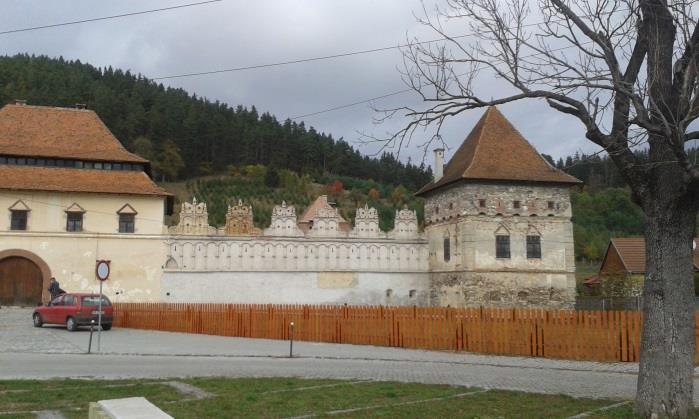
pixel 290 397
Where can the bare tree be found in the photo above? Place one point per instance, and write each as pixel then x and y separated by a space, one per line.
pixel 627 70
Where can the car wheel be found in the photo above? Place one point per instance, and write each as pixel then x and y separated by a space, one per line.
pixel 37 320
pixel 71 324
pixel 106 326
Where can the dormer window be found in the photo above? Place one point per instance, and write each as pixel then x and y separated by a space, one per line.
pixel 74 221
pixel 19 213
pixel 74 218
pixel 127 219
pixel 19 220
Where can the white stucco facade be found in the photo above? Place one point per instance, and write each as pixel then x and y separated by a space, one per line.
pixel 137 258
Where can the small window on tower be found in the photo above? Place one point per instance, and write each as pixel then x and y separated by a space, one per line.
pixel 502 247
pixel 551 205
pixel 447 249
pixel 516 204
pixel 533 247
pixel 481 203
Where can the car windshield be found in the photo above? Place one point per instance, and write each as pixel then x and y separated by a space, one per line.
pixel 94 301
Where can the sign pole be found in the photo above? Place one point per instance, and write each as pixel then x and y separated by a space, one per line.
pixel 99 322
pixel 102 273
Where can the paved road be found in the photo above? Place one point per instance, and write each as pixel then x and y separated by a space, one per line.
pixel 49 352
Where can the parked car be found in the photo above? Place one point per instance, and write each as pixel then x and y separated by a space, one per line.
pixel 74 310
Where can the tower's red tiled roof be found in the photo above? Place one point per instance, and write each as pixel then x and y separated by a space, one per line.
pixel 63 179
pixel 42 131
pixel 495 150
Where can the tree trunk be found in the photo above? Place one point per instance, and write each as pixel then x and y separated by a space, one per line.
pixel 665 378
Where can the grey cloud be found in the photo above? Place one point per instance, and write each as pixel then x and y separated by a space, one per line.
pixel 235 33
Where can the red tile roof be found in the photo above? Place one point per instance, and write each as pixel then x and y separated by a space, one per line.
pixel 632 251
pixel 29 178
pixel 41 131
pixel 320 202
pixel 495 150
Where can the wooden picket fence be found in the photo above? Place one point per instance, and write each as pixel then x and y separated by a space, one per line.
pixel 563 334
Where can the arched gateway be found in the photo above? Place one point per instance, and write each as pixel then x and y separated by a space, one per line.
pixel 24 278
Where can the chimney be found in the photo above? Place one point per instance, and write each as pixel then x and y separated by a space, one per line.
pixel 438 163
pixel 20 102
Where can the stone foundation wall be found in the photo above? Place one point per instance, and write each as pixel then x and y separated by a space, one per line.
pixel 502 289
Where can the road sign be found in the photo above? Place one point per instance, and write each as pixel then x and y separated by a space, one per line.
pixel 102 270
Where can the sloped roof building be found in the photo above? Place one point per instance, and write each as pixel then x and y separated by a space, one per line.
pixel 72 194
pixel 498 221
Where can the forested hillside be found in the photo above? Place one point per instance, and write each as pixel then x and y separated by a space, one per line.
pixel 245 154
pixel 185 135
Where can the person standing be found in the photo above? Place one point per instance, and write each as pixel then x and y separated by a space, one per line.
pixel 54 288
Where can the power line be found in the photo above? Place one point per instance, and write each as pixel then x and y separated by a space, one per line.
pixel 305 60
pixel 95 19
pixel 349 105
pixel 398 92
pixel 338 55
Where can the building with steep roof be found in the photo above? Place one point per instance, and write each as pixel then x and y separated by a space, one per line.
pixel 498 221
pixel 625 258
pixel 73 194
pixel 321 219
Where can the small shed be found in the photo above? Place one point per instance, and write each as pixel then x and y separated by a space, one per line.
pixel 626 256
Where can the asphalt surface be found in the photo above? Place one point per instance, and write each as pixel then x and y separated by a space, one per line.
pixel 52 352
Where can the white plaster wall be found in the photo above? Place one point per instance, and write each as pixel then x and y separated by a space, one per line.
pixel 48 211
pixel 190 253
pixel 136 259
pixel 353 288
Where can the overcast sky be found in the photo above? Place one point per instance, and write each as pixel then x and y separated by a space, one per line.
pixel 235 33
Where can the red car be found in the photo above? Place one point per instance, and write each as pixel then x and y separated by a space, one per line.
pixel 74 310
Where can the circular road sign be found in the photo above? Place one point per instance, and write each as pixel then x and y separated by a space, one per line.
pixel 102 270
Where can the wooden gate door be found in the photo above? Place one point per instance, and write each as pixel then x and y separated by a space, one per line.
pixel 20 282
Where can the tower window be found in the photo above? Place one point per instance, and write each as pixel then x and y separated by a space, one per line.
pixel 551 205
pixel 516 204
pixel 502 247
pixel 481 203
pixel 533 247
pixel 447 249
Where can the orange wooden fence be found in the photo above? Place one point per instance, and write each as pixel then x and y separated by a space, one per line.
pixel 565 334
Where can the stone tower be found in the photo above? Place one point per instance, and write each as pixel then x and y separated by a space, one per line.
pixel 498 222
